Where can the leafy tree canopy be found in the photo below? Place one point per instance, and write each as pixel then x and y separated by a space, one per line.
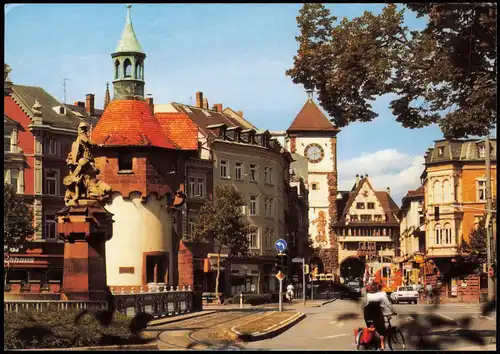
pixel 223 222
pixel 17 219
pixel 475 249
pixel 444 74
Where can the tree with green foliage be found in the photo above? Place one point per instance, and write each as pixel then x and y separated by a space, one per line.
pixel 223 224
pixel 444 74
pixel 474 251
pixel 17 223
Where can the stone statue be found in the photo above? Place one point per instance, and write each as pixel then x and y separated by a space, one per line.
pixel 82 182
pixel 320 228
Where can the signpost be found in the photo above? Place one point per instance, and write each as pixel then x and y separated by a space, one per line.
pixel 280 246
pixel 280 276
pixel 491 272
pixel 303 261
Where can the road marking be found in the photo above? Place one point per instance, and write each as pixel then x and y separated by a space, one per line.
pixel 448 318
pixel 335 336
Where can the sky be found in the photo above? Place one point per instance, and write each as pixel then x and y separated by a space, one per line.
pixel 236 54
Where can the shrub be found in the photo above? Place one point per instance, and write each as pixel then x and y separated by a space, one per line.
pixel 64 329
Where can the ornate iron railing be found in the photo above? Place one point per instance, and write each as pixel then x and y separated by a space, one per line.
pixel 164 303
pixel 44 305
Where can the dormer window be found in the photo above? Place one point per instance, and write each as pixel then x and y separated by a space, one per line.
pixel 61 110
pixel 441 151
pixel 482 151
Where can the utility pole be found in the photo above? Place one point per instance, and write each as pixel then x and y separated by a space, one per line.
pixel 489 241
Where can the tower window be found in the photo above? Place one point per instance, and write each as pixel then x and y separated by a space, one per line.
pixel 138 71
pixel 127 68
pixel 125 162
pixel 117 69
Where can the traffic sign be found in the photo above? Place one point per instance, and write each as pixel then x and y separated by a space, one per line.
pixel 280 276
pixel 491 272
pixel 297 260
pixel 280 245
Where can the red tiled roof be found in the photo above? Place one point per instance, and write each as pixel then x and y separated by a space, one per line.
pixel 130 123
pixel 310 118
pixel 415 193
pixel 180 129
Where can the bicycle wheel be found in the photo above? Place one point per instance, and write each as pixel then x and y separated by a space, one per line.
pixel 396 340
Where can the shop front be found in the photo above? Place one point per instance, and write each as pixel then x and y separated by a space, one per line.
pixel 244 278
pixel 30 274
pixel 465 288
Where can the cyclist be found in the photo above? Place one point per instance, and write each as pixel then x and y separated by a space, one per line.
pixel 377 305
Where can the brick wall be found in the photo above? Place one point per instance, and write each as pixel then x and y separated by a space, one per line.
pixel 186 267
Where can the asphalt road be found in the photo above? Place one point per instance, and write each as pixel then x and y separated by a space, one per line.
pixel 325 329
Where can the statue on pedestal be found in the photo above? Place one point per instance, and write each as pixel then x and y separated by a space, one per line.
pixel 82 181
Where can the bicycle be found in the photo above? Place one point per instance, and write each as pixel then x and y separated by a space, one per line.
pixel 394 338
pixel 394 335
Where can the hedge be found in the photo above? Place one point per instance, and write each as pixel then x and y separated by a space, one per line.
pixel 67 329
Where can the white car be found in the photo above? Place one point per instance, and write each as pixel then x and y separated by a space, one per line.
pixel 404 294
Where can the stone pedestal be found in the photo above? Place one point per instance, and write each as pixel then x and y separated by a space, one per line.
pixel 85 229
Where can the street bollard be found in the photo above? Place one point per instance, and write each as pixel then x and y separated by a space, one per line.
pixel 241 300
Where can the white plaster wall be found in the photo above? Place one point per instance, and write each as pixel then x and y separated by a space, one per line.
pixel 370 198
pixel 319 197
pixel 138 227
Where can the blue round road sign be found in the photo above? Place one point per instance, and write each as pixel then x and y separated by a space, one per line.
pixel 280 245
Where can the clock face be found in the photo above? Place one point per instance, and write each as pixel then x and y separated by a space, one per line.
pixel 314 153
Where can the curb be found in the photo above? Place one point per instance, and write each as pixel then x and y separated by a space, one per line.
pixel 106 347
pixel 328 302
pixel 273 333
pixel 164 321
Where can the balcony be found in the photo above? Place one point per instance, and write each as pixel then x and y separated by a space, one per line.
pixel 365 238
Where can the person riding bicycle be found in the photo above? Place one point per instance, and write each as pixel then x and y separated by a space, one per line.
pixel 377 305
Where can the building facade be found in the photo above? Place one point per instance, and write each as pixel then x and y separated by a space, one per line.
pixel 454 201
pixel 368 234
pixel 412 235
pixel 257 166
pixel 38 132
pixel 312 136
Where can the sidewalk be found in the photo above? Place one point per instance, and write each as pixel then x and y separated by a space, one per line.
pixel 490 347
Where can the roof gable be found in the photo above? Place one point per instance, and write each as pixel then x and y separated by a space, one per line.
pixel 311 118
pixel 364 192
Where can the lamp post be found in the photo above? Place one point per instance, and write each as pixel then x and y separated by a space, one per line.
pixel 489 241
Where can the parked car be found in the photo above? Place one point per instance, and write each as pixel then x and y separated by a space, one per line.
pixel 404 294
pixel 354 290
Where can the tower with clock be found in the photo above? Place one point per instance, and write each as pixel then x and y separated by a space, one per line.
pixel 314 137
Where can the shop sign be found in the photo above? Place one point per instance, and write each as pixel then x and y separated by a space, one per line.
pixel 19 260
pixel 454 287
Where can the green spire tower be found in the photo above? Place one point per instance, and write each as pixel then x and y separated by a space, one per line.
pixel 128 63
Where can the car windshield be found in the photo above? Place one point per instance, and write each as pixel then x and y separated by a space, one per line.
pixel 406 288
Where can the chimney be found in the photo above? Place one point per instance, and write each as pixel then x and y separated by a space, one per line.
pixel 199 99
pixel 89 104
pixel 218 107
pixel 205 104
pixel 79 104
pixel 388 190
pixel 357 180
pixel 240 113
pixel 149 100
